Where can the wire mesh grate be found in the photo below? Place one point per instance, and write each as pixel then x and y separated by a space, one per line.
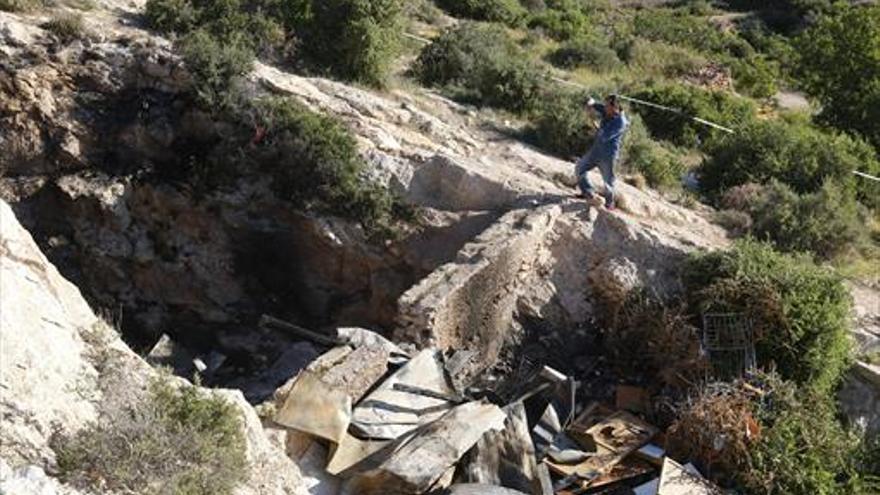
pixel 729 340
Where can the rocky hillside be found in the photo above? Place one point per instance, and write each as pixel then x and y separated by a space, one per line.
pixel 500 255
pixel 92 120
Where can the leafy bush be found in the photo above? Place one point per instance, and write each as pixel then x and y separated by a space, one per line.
pixel 803 447
pixel 508 12
pixel 215 66
pixel 172 16
pixel 774 46
pixel 660 167
pixel 314 162
pixel 839 63
pixel 67 27
pixel 561 125
pixel 800 311
pixel 224 19
pixel 756 76
pixel 178 440
pixel 737 223
pixel 825 223
pixel 585 52
pixel 562 23
pixel 356 39
pixel 795 154
pixel 721 108
pixel 352 39
pixel 481 63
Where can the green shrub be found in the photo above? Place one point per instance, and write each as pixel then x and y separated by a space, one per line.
pixel 314 163
pixel 356 39
pixel 351 39
pixel 795 154
pixel 774 46
pixel 585 52
pixel 508 12
pixel 756 76
pixel 660 166
pixel 715 106
pixel 839 64
pixel 67 27
pixel 458 53
pixel 215 66
pixel 803 448
pixel 800 311
pixel 223 19
pixel 737 223
pixel 172 16
pixel 562 23
pixel 826 222
pixel 561 124
pixel 479 62
pixel 177 440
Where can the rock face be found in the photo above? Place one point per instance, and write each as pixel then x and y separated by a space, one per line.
pixel 859 396
pixel 43 364
pixel 60 365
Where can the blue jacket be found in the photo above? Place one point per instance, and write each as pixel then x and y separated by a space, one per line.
pixel 606 146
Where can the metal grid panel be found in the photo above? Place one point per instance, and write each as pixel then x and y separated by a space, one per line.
pixel 729 341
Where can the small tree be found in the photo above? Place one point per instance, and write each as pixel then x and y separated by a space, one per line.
pixel 215 65
pixel 839 64
pixel 355 39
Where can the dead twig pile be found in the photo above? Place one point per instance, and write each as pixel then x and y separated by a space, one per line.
pixel 657 340
pixel 715 427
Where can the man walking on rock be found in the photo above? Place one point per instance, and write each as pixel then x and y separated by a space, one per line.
pixel 605 150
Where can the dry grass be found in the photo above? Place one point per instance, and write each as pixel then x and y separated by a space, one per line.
pixel 176 440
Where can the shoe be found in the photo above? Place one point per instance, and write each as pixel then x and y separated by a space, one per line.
pixel 583 195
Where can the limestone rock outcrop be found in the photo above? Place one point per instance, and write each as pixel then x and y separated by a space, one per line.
pixel 60 365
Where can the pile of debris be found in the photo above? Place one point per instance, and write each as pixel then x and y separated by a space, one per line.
pixel 369 417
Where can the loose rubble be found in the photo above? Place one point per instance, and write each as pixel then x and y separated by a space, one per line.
pixel 404 425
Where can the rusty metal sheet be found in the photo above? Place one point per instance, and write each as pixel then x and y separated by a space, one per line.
pixel 315 407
